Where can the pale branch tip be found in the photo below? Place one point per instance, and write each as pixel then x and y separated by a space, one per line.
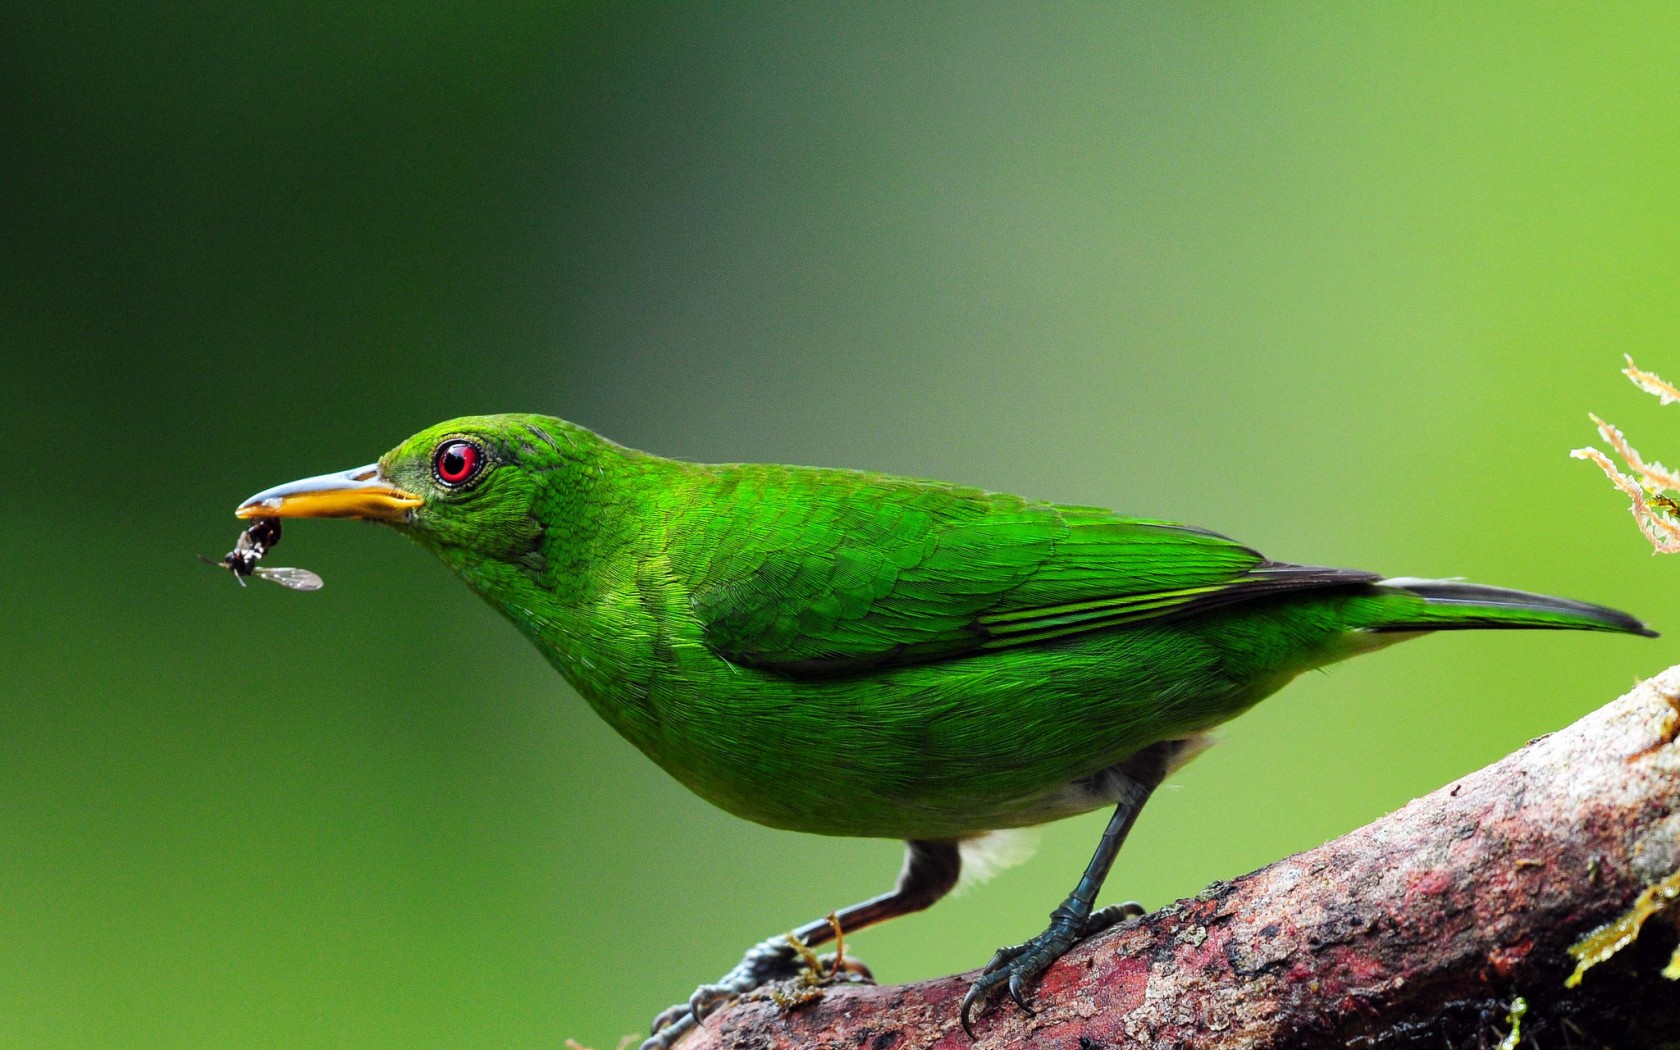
pixel 1650 382
pixel 1656 513
pixel 1662 531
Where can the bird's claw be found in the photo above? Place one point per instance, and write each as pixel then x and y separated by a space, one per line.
pixel 672 1024
pixel 1017 964
pixel 772 960
pixel 708 997
pixel 1113 915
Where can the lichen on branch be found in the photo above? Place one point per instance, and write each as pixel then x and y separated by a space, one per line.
pixel 1655 511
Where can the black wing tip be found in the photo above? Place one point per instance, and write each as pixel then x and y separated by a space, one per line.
pixel 1463 592
pixel 1617 620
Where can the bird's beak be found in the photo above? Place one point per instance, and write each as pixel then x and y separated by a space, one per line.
pixel 361 493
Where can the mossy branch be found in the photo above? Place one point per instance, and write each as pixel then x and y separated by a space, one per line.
pixel 1419 930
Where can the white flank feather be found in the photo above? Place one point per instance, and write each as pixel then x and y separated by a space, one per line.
pixel 985 855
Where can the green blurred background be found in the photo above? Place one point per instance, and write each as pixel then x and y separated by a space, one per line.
pixel 1340 280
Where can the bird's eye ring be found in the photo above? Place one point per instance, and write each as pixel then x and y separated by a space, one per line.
pixel 457 463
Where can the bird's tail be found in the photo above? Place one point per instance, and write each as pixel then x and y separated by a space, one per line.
pixel 1443 605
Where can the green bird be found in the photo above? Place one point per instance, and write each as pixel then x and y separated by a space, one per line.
pixel 955 661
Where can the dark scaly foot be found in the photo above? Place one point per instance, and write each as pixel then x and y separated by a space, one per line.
pixel 779 959
pixel 1131 783
pixel 930 870
pixel 1019 963
pixel 776 959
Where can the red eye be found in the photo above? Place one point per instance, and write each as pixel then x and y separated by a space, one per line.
pixel 456 462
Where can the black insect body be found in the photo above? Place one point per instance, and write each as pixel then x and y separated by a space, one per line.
pixel 261 536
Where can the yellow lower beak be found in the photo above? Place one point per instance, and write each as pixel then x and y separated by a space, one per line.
pixel 360 493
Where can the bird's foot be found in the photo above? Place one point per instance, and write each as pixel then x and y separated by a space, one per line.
pixel 779 959
pixel 776 959
pixel 1018 964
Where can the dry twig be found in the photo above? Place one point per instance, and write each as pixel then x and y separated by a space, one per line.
pixel 1656 512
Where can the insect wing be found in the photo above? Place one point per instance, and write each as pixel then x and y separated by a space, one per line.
pixel 296 579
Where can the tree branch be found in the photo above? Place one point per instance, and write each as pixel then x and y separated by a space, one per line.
pixel 1416 931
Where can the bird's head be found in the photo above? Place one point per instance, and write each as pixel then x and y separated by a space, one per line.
pixel 472 489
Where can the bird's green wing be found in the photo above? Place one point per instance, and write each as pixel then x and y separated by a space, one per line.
pixel 829 572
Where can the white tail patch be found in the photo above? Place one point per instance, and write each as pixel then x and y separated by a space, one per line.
pixel 985 855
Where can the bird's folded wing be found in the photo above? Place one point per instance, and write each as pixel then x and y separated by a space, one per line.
pixel 806 577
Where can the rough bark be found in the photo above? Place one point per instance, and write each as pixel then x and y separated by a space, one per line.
pixel 1415 931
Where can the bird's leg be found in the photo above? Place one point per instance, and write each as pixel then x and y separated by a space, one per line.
pixel 930 871
pixel 1134 780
